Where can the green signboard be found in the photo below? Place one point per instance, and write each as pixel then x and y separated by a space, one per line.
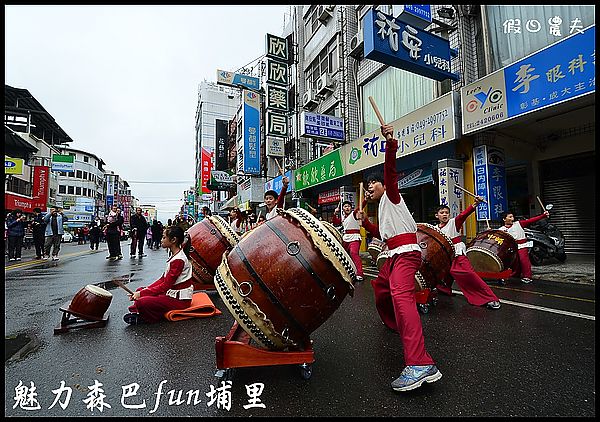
pixel 324 169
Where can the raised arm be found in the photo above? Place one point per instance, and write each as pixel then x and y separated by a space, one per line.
pixel 525 223
pixel 390 175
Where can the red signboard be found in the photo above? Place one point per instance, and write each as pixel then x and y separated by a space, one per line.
pixel 205 170
pixel 41 177
pixel 329 197
pixel 13 202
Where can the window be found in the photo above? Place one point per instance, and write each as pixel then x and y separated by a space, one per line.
pixel 86 159
pixel 85 175
pixel 70 190
pixel 78 174
pixel 326 61
pixel 85 192
pixel 62 189
pixel 78 190
pixel 71 174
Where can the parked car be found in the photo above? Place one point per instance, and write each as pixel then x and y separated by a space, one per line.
pixel 67 237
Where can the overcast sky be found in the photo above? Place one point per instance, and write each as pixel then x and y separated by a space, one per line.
pixel 122 81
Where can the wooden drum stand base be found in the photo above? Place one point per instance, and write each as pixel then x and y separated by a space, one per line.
pixel 70 321
pixel 235 351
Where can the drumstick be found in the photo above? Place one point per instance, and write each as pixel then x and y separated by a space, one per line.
pixel 488 223
pixel 121 285
pixel 379 116
pixel 472 194
pixel 541 205
pixel 280 168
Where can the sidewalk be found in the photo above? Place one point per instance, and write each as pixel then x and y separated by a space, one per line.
pixel 577 268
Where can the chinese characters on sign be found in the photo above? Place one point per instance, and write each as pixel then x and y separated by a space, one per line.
pixel 396 43
pixel 513 26
pixel 559 72
pixel 237 80
pixel 251 120
pixel 322 126
pixel 326 168
pixel 490 182
pixel 26 397
pixel 205 169
pixel 450 174
pixel 277 99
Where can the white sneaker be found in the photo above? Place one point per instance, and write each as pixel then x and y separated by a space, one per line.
pixel 55 258
pixel 12 259
pixel 18 259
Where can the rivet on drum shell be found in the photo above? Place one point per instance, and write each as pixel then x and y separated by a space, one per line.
pixel 213 231
pixel 293 248
pixel 423 245
pixel 241 291
pixel 330 292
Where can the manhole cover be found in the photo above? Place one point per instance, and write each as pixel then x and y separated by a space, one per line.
pixel 13 344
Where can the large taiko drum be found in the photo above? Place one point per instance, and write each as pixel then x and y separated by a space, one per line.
pixel 91 303
pixel 209 238
pixel 437 253
pixel 492 251
pixel 285 279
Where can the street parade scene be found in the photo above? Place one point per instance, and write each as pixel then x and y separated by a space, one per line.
pixel 299 210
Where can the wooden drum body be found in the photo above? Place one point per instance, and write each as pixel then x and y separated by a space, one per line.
pixel 492 251
pixel 91 303
pixel 437 253
pixel 210 239
pixel 285 279
pixel 375 248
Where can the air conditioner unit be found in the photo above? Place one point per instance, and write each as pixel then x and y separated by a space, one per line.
pixel 309 99
pixel 356 45
pixel 324 84
pixel 325 12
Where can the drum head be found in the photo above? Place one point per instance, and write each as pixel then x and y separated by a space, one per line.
pixel 98 291
pixel 484 260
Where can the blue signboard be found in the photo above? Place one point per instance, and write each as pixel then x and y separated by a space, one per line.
pixel 557 73
pixel 422 11
pixel 236 79
pixel 322 126
pixel 109 201
pixel 395 43
pixel 490 182
pixel 251 153
pixel 276 184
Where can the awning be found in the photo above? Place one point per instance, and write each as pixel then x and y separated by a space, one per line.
pixel 15 146
pixel 229 204
pixel 415 176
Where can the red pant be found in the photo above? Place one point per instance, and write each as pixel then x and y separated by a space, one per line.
pixel 523 264
pixel 476 291
pixel 394 290
pixel 353 249
pixel 153 308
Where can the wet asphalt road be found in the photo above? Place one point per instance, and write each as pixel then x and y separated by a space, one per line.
pixel 533 357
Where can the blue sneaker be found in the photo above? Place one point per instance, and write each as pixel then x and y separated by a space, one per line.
pixel 414 376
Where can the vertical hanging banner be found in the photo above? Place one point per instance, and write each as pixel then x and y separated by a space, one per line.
pixel 450 174
pixel 205 170
pixel 222 144
pixel 110 191
pixel 490 181
pixel 41 177
pixel 251 119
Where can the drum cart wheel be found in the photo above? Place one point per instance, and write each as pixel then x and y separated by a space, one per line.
pixel 423 308
pixel 306 370
pixel 235 351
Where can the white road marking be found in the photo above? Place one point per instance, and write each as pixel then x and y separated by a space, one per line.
pixel 525 305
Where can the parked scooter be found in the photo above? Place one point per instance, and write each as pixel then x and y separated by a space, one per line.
pixel 548 241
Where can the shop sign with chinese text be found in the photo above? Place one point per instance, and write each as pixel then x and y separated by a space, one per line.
pixel 450 174
pixel 323 169
pixel 251 119
pixel 329 196
pixel 321 126
pixel 238 80
pixel 426 127
pixel 490 181
pixel 390 41
pixel 277 183
pixel 562 71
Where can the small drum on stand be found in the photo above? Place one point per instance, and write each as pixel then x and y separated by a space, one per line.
pixel 285 279
pixel 208 240
pixel 437 253
pixel 492 251
pixel 87 309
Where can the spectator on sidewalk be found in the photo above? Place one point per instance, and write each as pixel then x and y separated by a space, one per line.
pixel 139 227
pixel 15 224
pixel 113 233
pixel 54 232
pixel 39 231
pixel 157 230
pixel 94 234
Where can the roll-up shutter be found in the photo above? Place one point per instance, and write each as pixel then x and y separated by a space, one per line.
pixel 570 185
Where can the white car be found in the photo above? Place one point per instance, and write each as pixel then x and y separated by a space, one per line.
pixel 67 237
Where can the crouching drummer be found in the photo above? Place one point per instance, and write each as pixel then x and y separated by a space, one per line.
pixel 475 290
pixel 173 290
